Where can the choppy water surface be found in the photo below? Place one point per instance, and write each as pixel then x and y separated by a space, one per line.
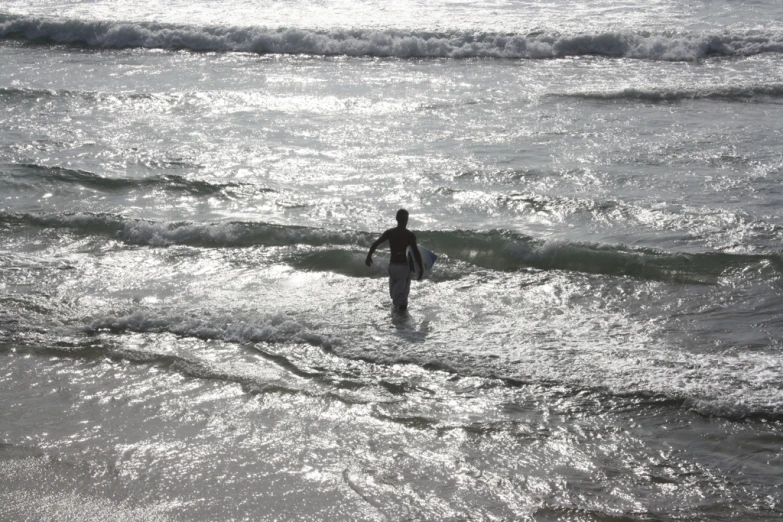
pixel 187 194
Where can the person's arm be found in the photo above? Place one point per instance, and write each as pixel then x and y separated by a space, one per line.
pixel 417 256
pixel 384 237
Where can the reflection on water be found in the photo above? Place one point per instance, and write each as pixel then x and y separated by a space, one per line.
pixel 188 330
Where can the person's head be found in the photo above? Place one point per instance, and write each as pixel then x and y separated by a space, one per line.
pixel 402 217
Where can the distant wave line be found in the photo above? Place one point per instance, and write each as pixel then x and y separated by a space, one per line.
pixel 739 92
pixel 32 172
pixel 665 94
pixel 145 232
pixel 684 46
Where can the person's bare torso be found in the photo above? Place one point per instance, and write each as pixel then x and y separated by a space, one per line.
pixel 399 240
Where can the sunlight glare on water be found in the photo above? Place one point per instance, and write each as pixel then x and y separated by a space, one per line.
pixel 188 192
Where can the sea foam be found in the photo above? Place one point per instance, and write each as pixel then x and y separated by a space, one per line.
pixel 275 328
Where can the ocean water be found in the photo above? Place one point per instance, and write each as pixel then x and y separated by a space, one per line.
pixel 188 190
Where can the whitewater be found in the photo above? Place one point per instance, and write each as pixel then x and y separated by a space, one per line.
pixel 188 191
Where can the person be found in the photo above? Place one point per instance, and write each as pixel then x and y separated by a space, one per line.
pixel 399 238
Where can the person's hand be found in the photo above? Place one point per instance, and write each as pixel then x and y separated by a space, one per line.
pixel 368 261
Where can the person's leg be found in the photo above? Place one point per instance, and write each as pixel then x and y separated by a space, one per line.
pixel 392 282
pixel 399 284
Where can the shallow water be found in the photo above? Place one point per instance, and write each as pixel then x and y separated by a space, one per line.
pixel 188 330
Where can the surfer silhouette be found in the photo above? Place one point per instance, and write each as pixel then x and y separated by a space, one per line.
pixel 399 238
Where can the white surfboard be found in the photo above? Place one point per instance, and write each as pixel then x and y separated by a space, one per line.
pixel 427 258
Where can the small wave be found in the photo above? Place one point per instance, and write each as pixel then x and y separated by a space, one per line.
pixel 389 43
pixel 199 369
pixel 501 250
pixel 169 182
pixel 719 92
pixel 13 92
pixel 161 234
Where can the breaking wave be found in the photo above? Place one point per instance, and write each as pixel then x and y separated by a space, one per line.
pixel 338 251
pixel 390 43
